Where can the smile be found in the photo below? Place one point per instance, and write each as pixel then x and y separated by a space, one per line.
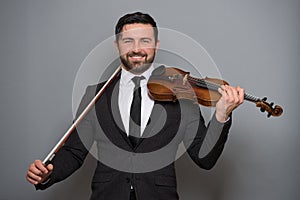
pixel 137 57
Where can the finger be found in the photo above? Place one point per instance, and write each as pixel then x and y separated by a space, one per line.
pixel 238 94
pixel 34 170
pixel 229 93
pixel 222 89
pixel 50 167
pixel 39 165
pixel 235 95
pixel 32 181
pixel 32 177
pixel 241 93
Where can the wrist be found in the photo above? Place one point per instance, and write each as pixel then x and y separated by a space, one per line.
pixel 221 117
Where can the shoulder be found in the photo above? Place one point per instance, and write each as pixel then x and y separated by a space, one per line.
pixel 92 90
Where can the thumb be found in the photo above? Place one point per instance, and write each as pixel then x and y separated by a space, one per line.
pixel 50 167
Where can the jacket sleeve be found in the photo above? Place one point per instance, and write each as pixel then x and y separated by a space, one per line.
pixel 206 146
pixel 73 153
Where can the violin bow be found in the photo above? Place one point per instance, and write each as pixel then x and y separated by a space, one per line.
pixel 68 133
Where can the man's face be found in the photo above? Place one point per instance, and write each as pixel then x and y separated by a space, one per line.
pixel 137 47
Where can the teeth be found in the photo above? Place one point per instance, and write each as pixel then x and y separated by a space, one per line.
pixel 137 57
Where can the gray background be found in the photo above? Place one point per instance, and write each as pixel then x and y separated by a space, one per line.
pixel 254 43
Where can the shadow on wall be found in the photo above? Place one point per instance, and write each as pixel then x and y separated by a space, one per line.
pixel 195 183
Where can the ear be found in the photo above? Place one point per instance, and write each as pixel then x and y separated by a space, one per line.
pixel 157 46
pixel 117 46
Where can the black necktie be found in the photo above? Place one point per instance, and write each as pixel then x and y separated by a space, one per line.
pixel 135 112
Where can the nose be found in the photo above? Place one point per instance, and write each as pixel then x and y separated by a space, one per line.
pixel 136 47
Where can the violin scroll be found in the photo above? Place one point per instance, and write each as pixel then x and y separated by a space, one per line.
pixel 265 106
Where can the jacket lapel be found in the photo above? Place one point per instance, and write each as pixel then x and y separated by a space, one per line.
pixel 153 125
pixel 112 114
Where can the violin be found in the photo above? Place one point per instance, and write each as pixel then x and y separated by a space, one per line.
pixel 171 84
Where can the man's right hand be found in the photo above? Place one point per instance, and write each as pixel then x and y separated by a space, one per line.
pixel 38 172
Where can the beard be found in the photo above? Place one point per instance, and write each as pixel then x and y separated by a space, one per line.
pixel 139 66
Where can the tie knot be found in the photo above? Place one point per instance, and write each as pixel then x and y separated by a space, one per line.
pixel 137 81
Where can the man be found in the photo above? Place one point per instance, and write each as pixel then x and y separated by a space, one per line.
pixel 136 153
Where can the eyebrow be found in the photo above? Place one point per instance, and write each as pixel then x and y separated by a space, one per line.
pixel 130 38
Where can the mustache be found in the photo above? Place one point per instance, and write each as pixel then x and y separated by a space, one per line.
pixel 141 54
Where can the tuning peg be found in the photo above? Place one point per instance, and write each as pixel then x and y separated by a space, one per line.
pixel 265 106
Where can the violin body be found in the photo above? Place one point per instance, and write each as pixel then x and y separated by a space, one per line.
pixel 176 84
pixel 172 84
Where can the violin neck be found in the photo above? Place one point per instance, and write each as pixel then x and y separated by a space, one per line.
pixel 213 86
pixel 251 98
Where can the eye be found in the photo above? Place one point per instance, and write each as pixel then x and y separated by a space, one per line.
pixel 146 40
pixel 126 41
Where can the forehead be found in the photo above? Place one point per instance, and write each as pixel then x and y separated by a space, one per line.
pixel 137 30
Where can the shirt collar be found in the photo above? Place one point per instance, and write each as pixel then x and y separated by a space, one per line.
pixel 126 76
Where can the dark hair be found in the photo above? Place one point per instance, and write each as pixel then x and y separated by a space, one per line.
pixel 133 18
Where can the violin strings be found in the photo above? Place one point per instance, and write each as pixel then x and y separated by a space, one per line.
pixel 251 97
pixel 205 84
pixel 214 86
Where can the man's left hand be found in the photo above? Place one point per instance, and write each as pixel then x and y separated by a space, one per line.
pixel 231 98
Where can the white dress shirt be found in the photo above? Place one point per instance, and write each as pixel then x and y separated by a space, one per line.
pixel 126 95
